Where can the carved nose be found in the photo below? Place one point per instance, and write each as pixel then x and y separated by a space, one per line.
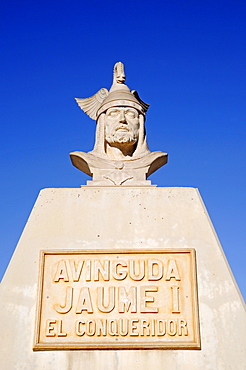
pixel 122 117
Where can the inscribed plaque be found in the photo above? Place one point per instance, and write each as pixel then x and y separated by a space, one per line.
pixel 117 299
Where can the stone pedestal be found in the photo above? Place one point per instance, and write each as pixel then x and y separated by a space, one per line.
pixel 114 219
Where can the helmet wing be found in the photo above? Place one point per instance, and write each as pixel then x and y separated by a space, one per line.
pixel 91 105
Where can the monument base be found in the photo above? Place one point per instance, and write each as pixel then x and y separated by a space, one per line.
pixel 139 221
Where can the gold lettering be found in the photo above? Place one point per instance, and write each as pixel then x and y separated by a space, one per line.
pixel 101 299
pixel 78 328
pixel 76 269
pixel 68 302
pixel 171 327
pixel 132 270
pixel 119 275
pixel 175 299
pixel 50 329
pixel 104 270
pixel 182 326
pixel 133 328
pixel 113 327
pixel 101 328
pixel 84 302
pixel 90 328
pixel 155 270
pixel 172 270
pixel 161 328
pixel 123 329
pixel 59 329
pixel 88 270
pixel 61 272
pixel 127 300
pixel 144 300
pixel 144 325
pixel 152 326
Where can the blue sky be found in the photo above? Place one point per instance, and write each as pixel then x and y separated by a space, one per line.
pixel 185 58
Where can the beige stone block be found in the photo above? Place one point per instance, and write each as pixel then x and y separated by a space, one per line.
pixel 136 219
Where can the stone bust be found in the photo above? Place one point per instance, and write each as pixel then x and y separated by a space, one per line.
pixel 120 156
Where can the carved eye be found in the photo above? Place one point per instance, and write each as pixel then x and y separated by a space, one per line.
pixel 113 113
pixel 131 113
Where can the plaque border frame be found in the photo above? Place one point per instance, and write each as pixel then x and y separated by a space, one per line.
pixel 181 345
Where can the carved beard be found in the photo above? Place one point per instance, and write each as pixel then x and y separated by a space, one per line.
pixel 119 137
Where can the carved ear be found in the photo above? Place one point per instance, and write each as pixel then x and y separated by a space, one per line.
pixel 91 105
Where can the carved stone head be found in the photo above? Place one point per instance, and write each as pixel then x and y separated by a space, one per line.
pixel 120 156
pixel 120 116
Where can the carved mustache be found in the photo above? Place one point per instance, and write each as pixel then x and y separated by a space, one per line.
pixel 122 127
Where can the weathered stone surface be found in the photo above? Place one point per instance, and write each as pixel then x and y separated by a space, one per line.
pixel 142 219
